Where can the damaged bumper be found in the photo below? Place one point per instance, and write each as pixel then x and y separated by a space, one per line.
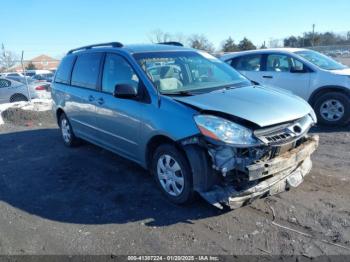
pixel 269 177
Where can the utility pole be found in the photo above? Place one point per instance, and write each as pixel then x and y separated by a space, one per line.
pixel 25 77
pixel 313 34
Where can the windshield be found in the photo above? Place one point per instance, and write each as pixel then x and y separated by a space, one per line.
pixel 320 60
pixel 188 72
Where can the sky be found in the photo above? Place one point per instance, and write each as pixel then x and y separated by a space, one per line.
pixel 53 27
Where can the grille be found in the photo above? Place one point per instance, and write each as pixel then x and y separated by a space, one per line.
pixel 285 133
pixel 278 138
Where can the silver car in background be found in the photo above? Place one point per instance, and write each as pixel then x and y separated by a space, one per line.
pixel 14 91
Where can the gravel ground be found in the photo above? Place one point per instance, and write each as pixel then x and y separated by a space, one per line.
pixel 56 200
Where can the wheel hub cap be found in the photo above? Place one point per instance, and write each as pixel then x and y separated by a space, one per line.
pixel 170 175
pixel 332 110
pixel 66 134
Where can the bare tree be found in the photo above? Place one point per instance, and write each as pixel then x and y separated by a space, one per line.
pixel 201 42
pixel 7 58
pixel 158 36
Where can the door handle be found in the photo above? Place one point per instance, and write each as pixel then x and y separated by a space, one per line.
pixel 267 76
pixel 100 101
pixel 91 98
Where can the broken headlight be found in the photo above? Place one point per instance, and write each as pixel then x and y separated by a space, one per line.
pixel 224 130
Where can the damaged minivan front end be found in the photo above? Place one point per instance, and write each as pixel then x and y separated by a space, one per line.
pixel 247 164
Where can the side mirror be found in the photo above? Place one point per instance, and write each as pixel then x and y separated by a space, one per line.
pixel 297 70
pixel 125 91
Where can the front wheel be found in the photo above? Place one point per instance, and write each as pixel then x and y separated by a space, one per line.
pixel 333 108
pixel 173 174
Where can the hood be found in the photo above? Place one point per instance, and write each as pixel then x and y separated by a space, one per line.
pixel 260 105
pixel 344 72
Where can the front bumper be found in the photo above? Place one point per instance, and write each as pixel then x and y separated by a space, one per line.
pixel 281 173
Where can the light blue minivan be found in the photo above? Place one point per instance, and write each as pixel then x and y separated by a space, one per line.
pixel 192 120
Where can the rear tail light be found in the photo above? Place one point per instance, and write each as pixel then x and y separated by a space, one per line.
pixel 40 88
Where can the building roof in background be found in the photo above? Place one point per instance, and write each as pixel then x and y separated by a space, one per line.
pixel 41 58
pixel 41 62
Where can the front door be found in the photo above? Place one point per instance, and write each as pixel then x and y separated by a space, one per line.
pixel 286 72
pixel 118 120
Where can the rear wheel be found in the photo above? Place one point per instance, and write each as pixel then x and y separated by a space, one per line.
pixel 68 136
pixel 18 98
pixel 173 174
pixel 333 109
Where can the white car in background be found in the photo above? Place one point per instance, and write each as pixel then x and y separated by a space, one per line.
pixel 317 78
pixel 14 91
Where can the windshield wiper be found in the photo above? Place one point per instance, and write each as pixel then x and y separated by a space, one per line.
pixel 230 86
pixel 178 93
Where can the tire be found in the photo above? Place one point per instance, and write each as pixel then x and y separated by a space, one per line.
pixel 333 108
pixel 18 98
pixel 68 137
pixel 171 164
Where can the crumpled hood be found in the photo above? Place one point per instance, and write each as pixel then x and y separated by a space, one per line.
pixel 344 72
pixel 260 105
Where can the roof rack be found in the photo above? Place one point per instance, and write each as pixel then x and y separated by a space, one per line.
pixel 171 43
pixel 112 44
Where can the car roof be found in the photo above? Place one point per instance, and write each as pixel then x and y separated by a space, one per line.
pixel 261 51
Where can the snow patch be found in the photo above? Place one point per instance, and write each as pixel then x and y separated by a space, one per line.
pixel 34 105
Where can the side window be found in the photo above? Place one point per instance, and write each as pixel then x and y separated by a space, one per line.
pixel 4 83
pixel 86 70
pixel 64 70
pixel 278 63
pixel 297 65
pixel 117 71
pixel 247 63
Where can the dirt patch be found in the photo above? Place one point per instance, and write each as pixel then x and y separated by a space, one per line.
pixel 20 117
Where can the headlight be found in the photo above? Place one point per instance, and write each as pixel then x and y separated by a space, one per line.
pixel 223 130
pixel 313 116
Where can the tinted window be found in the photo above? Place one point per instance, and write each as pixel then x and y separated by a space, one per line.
pixel 4 83
pixel 86 69
pixel 247 63
pixel 64 70
pixel 117 71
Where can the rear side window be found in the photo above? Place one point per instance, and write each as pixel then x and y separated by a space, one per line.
pixel 4 83
pixel 247 63
pixel 64 70
pixel 86 70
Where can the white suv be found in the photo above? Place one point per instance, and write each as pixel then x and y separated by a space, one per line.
pixel 320 80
